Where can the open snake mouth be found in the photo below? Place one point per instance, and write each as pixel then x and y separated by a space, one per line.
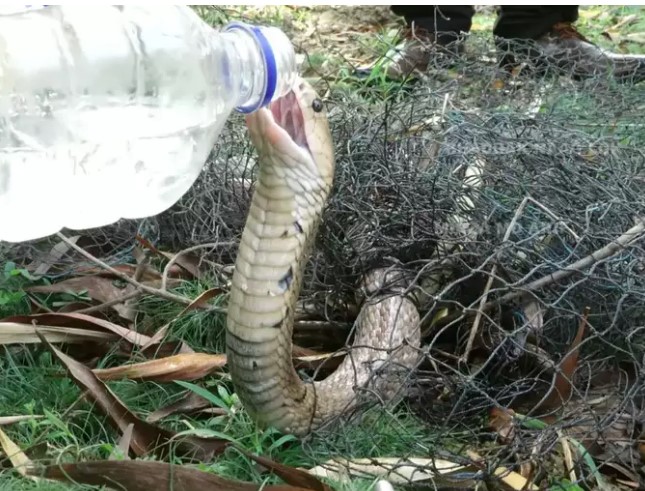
pixel 288 115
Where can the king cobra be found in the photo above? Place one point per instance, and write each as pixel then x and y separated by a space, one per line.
pixel 296 169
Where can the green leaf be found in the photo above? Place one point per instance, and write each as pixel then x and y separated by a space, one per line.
pixel 281 441
pixel 565 485
pixel 206 394
pixel 531 423
pixel 589 461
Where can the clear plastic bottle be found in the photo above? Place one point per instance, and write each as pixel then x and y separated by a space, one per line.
pixel 110 112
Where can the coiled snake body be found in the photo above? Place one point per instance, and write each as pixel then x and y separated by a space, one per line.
pixel 296 171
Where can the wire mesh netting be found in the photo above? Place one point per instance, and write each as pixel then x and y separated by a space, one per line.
pixel 514 201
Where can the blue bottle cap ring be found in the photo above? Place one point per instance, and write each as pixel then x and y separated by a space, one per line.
pixel 269 61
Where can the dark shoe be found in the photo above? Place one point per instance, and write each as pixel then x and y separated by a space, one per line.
pixel 418 51
pixel 568 51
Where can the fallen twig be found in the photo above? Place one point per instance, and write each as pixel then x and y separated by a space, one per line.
pixel 173 260
pixel 105 305
pixel 554 217
pixel 489 283
pixel 630 237
pixel 148 289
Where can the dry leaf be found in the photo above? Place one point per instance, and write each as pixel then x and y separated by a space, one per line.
pixel 122 447
pixel 194 366
pixel 568 456
pixel 623 475
pixel 533 315
pixel 16 456
pixel 146 438
pixel 98 288
pixel 82 321
pixel 190 402
pixel 291 475
pixel 55 255
pixel 563 384
pixel 138 475
pixel 190 264
pixel 635 37
pixel 501 420
pixel 396 470
pixel 509 477
pixel 187 366
pixel 16 333
pixel 9 420
pixel 628 19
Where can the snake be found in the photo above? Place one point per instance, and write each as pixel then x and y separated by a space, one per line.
pixel 296 165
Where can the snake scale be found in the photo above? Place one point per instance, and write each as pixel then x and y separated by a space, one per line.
pixel 296 171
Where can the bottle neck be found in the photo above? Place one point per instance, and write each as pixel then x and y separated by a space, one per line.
pixel 260 60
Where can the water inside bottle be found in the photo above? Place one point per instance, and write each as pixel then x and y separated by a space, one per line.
pixel 85 165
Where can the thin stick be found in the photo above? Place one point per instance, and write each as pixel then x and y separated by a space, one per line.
pixel 143 259
pixel 152 291
pixel 489 283
pixel 630 237
pixel 112 302
pixel 554 217
pixel 568 456
pixel 173 260
pixel 40 305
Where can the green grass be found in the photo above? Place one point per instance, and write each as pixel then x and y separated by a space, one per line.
pixel 596 22
pixel 198 328
pixel 13 300
pixel 33 383
pixel 75 431
pixel 11 483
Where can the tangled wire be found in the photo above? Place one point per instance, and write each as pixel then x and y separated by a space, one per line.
pixel 486 186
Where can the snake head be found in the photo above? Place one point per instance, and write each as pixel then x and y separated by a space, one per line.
pixel 293 131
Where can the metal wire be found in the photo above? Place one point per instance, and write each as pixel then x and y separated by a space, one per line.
pixel 560 160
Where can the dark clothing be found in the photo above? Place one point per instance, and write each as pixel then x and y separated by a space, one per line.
pixel 518 21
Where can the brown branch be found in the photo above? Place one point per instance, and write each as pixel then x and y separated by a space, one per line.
pixel 630 237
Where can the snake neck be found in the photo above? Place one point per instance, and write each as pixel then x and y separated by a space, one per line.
pixel 296 171
pixel 275 244
pixel 282 223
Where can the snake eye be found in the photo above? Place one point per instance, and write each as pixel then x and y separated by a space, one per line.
pixel 317 105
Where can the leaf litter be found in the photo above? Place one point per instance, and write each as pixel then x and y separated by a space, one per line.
pixel 139 475
pixel 143 438
pixel 146 437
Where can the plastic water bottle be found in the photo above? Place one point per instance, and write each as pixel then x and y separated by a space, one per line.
pixel 110 112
